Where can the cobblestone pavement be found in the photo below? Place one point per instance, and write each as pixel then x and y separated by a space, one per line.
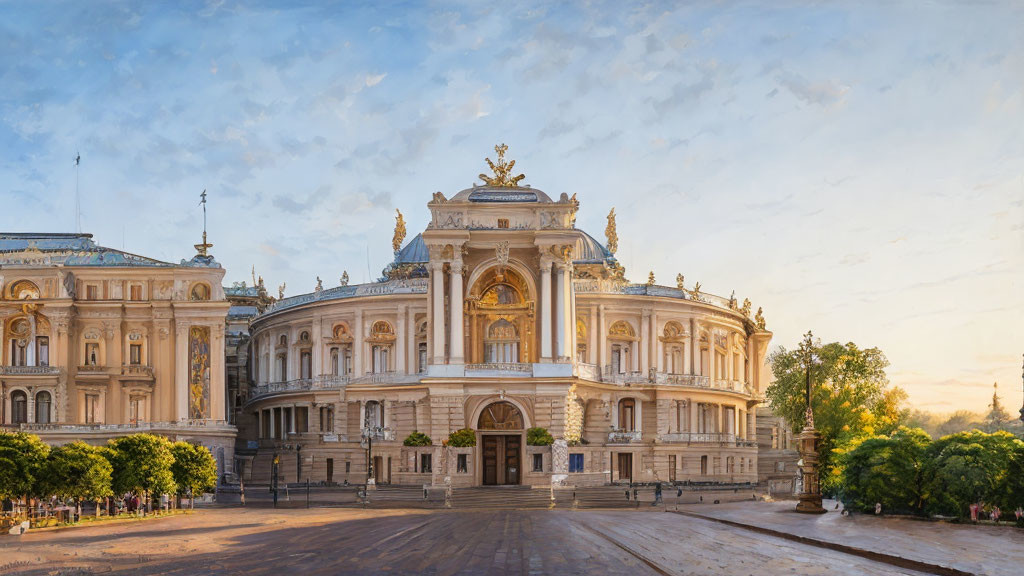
pixel 977 549
pixel 348 541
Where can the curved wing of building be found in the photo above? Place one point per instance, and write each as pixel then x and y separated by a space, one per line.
pixel 500 317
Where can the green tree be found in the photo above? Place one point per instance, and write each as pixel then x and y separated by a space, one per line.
pixel 22 457
pixel 416 439
pixel 194 469
pixel 970 467
pixel 142 465
pixel 887 470
pixel 538 436
pixel 959 421
pixel 78 471
pixel 851 396
pixel 464 438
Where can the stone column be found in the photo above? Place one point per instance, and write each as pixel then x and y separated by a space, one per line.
pixel 693 417
pixel 437 308
pixel 456 355
pixel 750 367
pixel 592 346
pixel 316 335
pixel 655 355
pixel 400 341
pixel 642 343
pixel 181 370
pixel 602 339
pixel 218 387
pixel 694 348
pixel 259 417
pixel 545 308
pixel 411 353
pixel 570 318
pixel 560 311
pixel 357 345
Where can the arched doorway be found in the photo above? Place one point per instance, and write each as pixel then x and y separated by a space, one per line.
pixel 501 428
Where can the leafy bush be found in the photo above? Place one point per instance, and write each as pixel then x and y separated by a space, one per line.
pixel 538 436
pixel 464 438
pixel 971 467
pixel 416 439
pixel 22 458
pixel 886 470
pixel 194 469
pixel 78 471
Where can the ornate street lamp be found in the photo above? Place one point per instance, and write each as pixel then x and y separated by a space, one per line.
pixel 807 440
pixel 368 434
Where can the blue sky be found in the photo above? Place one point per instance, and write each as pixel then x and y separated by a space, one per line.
pixel 854 168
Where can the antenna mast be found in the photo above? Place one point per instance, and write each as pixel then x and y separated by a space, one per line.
pixel 78 198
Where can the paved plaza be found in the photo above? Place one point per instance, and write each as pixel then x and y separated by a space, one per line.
pixel 438 542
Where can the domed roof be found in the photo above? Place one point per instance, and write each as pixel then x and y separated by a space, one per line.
pixel 414 252
pixel 589 250
pixel 501 194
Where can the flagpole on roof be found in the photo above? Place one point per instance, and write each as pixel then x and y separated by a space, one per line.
pixel 78 198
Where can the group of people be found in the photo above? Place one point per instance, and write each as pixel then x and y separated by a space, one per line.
pixel 979 510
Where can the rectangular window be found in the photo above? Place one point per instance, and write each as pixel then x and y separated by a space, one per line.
pixel 42 351
pixel 326 419
pixel 301 419
pixel 92 292
pixel 92 409
pixel 671 468
pixel 462 464
pixel 135 354
pixel 425 463
pixel 502 222
pixel 538 462
pixel 575 462
pixel 135 292
pixel 422 365
pixel 18 354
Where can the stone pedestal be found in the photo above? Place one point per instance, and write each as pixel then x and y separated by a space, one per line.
pixel 810 493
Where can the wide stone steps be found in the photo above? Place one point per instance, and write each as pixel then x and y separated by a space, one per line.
pixel 504 498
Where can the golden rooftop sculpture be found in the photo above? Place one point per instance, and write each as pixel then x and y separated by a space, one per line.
pixel 611 234
pixel 502 171
pixel 396 240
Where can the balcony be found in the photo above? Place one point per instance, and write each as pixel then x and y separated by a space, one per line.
pixel 30 371
pixel 706 439
pixel 620 377
pixel 590 372
pixel 697 381
pixel 390 377
pixel 624 437
pixel 326 382
pixel 137 371
pixel 499 369
pixel 378 433
pixel 122 428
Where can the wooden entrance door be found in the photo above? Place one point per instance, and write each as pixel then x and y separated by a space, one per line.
pixel 625 466
pixel 330 470
pixel 378 469
pixel 502 460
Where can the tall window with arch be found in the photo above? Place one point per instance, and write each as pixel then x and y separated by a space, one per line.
pixel 19 407
pixel 374 416
pixel 381 340
pixel 627 415
pixel 43 403
pixel 502 342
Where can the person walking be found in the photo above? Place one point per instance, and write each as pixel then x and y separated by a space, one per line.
pixel 657 494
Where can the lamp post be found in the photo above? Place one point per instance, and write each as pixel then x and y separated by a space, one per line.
pixel 810 494
pixel 369 433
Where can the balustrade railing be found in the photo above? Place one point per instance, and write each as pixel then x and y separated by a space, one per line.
pixel 716 438
pixel 92 368
pixel 137 370
pixel 624 437
pixel 29 371
pixel 588 371
pixel 135 426
pixel 516 368
pixel 620 377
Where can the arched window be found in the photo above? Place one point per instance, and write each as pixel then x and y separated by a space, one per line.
pixel 19 407
pixel 374 415
pixel 200 292
pixel 24 290
pixel 335 366
pixel 621 337
pixel 43 407
pixel 500 416
pixel 502 342
pixel 283 340
pixel 381 354
pixel 627 415
pixel 382 337
pixel 306 364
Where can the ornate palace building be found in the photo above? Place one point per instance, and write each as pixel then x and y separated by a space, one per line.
pixel 98 343
pixel 500 317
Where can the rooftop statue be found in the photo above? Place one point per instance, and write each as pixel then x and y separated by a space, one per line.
pixel 679 281
pixel 759 319
pixel 344 278
pixel 611 234
pixel 502 171
pixel 399 237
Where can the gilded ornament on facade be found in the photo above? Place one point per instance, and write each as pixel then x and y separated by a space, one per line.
pixel 732 300
pixel 650 278
pixel 695 293
pixel 399 237
pixel 746 307
pixel 679 281
pixel 759 319
pixel 501 253
pixel 199 373
pixel 502 171
pixel 611 234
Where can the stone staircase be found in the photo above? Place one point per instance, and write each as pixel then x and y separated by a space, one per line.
pixel 506 498
pixel 405 497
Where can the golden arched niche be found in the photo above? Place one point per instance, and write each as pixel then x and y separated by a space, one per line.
pixel 500 300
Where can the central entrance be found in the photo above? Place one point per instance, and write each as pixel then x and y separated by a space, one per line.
pixel 501 444
pixel 501 456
